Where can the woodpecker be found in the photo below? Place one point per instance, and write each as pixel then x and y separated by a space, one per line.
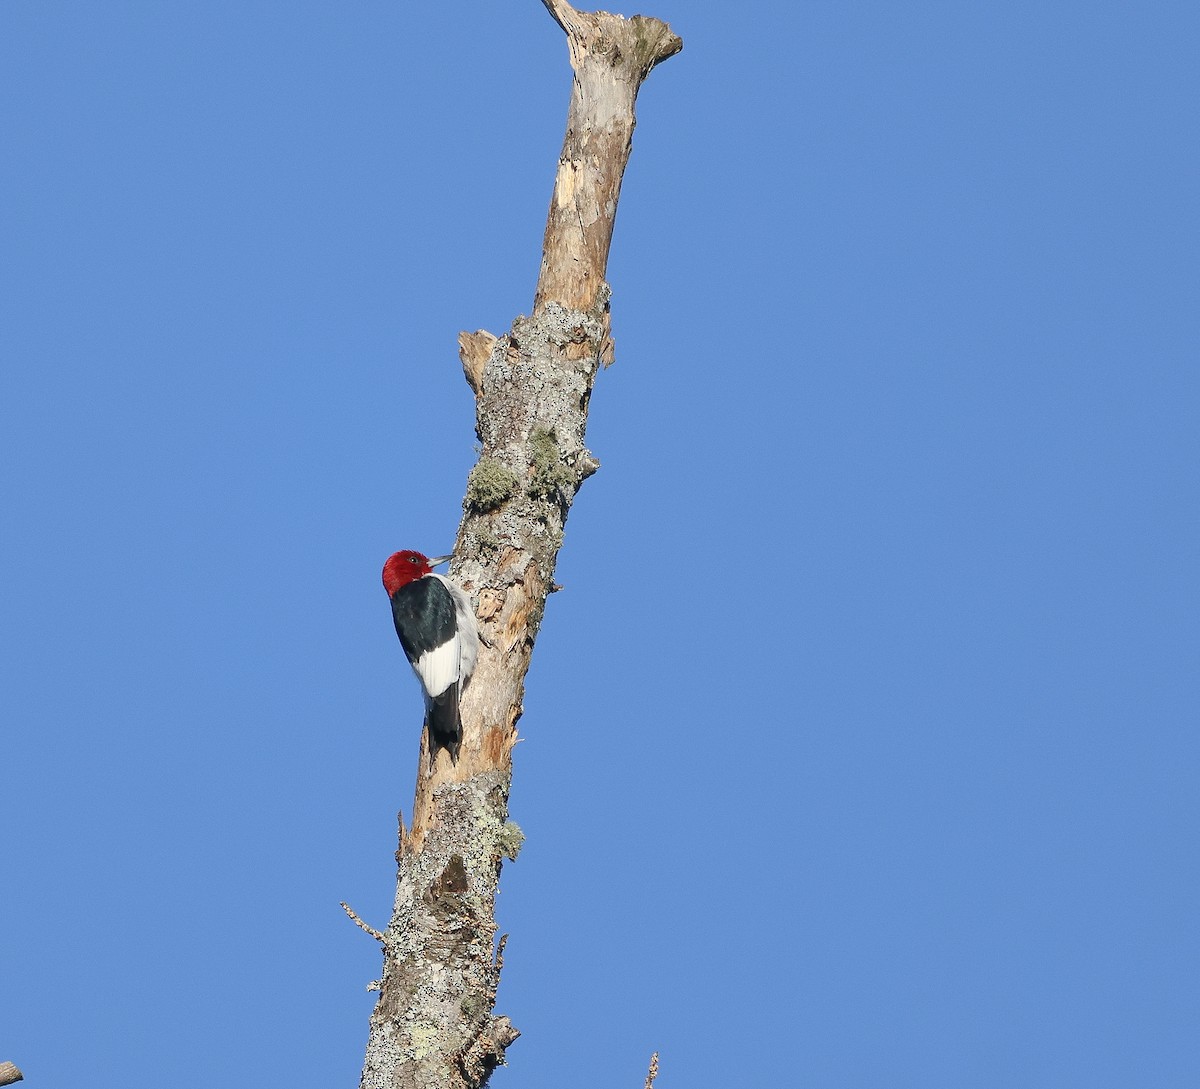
pixel 436 625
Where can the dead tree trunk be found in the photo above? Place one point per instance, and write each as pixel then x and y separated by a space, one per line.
pixel 434 1024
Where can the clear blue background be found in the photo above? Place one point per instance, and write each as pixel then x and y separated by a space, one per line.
pixel 860 749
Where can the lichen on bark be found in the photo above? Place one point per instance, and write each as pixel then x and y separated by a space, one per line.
pixel 489 485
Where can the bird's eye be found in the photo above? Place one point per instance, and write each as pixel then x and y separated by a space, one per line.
pixel 412 559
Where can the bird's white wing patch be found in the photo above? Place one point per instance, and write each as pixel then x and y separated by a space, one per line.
pixel 454 660
pixel 439 668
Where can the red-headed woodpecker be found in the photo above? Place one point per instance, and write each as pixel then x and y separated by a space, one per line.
pixel 436 625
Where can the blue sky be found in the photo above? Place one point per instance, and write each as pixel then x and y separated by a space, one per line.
pixel 860 748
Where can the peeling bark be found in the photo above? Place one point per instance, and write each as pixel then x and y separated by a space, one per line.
pixel 9 1074
pixel 434 1024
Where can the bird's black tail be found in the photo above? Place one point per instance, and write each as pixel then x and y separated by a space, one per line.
pixel 444 725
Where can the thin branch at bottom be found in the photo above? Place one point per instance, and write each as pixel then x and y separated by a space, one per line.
pixel 653 1071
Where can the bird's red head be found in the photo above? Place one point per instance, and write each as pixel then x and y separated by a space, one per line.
pixel 407 566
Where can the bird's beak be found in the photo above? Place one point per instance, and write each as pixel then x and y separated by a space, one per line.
pixel 438 561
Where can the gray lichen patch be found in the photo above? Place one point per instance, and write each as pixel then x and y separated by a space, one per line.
pixel 560 325
pixel 510 840
pixel 486 540
pixel 425 1038
pixel 490 485
pixel 550 473
pixel 473 1005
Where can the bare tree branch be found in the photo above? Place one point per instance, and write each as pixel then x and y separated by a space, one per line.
pixel 10 1074
pixel 360 924
pixel 653 1073
pixel 433 1026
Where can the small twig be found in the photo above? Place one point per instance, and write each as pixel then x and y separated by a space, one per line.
pixel 653 1071
pixel 359 923
pixel 9 1074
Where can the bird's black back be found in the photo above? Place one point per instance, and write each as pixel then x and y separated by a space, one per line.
pixel 424 615
pixel 423 612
